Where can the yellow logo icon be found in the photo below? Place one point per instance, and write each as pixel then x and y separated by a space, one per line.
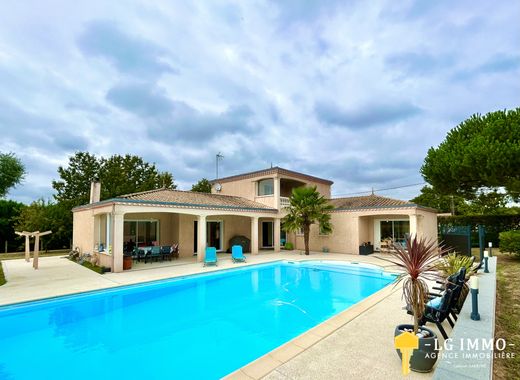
pixel 406 343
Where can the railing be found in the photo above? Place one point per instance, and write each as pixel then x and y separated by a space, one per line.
pixel 284 202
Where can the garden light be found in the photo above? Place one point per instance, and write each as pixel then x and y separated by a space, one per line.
pixel 473 281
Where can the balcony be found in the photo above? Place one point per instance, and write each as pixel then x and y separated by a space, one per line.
pixel 284 202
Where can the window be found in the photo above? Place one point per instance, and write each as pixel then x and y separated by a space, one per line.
pixel 299 231
pixel 396 230
pixel 266 187
pixel 141 232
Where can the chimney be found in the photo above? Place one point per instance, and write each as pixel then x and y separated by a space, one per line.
pixel 95 191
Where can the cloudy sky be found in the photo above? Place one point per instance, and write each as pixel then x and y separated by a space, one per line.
pixel 352 91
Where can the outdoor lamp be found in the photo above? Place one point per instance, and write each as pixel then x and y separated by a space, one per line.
pixel 490 245
pixel 473 283
pixel 486 258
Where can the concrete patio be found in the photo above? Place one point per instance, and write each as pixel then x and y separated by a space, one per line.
pixel 346 346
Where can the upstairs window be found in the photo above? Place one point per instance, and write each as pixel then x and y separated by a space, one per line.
pixel 266 187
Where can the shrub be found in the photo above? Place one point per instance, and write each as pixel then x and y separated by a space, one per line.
pixel 451 264
pixel 289 246
pixel 510 242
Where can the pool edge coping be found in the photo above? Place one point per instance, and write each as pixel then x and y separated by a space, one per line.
pixel 269 362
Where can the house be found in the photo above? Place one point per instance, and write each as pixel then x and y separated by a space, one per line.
pixel 251 205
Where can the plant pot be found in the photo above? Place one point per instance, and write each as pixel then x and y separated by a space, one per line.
pixel 127 262
pixel 424 358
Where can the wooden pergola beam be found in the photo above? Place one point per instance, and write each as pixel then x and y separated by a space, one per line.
pixel 36 235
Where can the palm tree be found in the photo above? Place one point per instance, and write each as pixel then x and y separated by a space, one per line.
pixel 307 206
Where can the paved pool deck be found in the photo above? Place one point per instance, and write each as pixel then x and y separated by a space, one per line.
pixel 357 343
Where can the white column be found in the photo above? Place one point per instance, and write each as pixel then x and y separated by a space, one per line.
pixel 413 224
pixel 201 238
pixel 276 193
pixel 254 235
pixel 108 229
pixel 116 242
pixel 277 234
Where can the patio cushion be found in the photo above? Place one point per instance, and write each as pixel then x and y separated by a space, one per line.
pixel 435 303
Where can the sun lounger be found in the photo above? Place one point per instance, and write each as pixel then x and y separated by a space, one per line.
pixel 237 255
pixel 210 258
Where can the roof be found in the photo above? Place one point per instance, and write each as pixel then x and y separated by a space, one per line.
pixel 368 201
pixel 271 171
pixel 194 199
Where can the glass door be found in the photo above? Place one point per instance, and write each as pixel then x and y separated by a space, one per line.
pixel 214 235
pixel 267 234
pixel 397 230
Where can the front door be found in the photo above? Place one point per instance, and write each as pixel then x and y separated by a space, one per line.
pixel 214 235
pixel 267 234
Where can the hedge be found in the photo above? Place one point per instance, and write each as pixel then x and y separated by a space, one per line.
pixel 494 225
pixel 510 242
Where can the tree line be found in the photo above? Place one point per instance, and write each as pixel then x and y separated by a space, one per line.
pixel 119 175
pixel 476 169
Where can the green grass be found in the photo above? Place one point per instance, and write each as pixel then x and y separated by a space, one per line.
pixel 2 277
pixel 95 268
pixel 21 255
pixel 508 314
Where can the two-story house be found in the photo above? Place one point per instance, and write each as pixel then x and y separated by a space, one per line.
pixel 251 205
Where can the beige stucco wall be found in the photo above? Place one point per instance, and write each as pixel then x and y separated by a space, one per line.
pixel 247 188
pixel 427 224
pixel 352 228
pixel 185 234
pixel 83 231
pixel 233 226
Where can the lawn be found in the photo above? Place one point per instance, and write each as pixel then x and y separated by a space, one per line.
pixel 21 255
pixel 2 277
pixel 508 314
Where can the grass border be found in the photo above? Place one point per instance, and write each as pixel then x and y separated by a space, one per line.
pixel 2 276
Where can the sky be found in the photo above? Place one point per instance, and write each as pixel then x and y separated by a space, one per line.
pixel 352 91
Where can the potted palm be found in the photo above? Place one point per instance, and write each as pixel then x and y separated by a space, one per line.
pixel 418 259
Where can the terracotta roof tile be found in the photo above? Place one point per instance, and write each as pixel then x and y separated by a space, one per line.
pixel 367 201
pixel 196 199
pixel 274 170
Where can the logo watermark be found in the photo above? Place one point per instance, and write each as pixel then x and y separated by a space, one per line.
pixel 477 349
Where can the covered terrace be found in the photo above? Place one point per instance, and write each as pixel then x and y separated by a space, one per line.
pixel 169 217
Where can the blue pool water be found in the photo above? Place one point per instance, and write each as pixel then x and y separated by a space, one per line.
pixel 197 327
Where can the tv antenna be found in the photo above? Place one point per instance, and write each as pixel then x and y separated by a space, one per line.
pixel 219 157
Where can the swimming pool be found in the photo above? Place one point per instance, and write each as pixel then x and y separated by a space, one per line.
pixel 202 326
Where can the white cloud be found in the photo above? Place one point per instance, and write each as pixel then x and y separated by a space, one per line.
pixel 292 83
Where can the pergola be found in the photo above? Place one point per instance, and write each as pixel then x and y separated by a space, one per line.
pixel 36 235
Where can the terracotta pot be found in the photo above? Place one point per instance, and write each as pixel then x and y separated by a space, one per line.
pixel 127 262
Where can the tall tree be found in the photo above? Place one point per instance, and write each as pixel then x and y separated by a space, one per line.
pixel 12 172
pixel 481 152
pixel 307 206
pixel 9 210
pixel 481 203
pixel 130 174
pixel 486 203
pixel 203 186
pixel 429 197
pixel 74 184
pixel 118 175
pixel 43 216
